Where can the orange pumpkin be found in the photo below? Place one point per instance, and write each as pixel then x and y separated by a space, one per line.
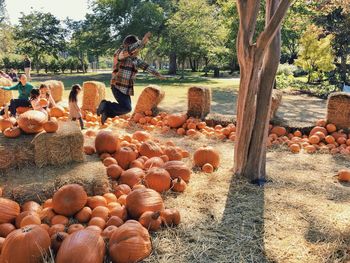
pixel 97 221
pixel 56 228
pixel 142 200
pixel 120 212
pixel 47 214
pixel 84 246
pixel 95 201
pixel 31 206
pixel 151 220
pixel 170 217
pixel 89 150
pixel 114 221
pixel 131 176
pixel 179 185
pixel 110 197
pixel 69 199
pixel 106 142
pixel 6 123
pixel 158 179
pixel 344 175
pixel 51 126
pixel 84 215
pixel 208 168
pixel 74 228
pixel 59 219
pixel 24 245
pixel 100 211
pixel 121 189
pixel 32 121
pixel 314 139
pixel 318 129
pixel 178 169
pixel 176 120
pixel 6 229
pixel 206 154
pixel 108 231
pixel 12 132
pixel 130 243
pixel 173 153
pixel 150 149
pixel 154 162
pixel 57 112
pixel 124 156
pixel 141 136
pixel 279 131
pixel 331 127
pixel 295 148
pixel 9 210
pixel 30 220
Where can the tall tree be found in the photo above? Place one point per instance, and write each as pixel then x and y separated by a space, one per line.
pixel 258 64
pixel 39 34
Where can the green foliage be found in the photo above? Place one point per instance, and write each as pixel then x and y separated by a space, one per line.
pixel 286 69
pixel 315 55
pixel 2 11
pixel 9 61
pixel 39 34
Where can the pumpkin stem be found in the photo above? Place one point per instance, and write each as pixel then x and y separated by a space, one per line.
pixel 155 215
pixel 179 180
pixel 59 237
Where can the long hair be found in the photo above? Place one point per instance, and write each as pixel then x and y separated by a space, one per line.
pixel 74 93
pixel 34 93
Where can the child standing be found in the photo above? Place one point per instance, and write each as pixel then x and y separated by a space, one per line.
pixel 74 110
pixel 125 68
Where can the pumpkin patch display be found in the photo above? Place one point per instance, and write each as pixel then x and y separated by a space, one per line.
pixel 106 142
pixel 206 154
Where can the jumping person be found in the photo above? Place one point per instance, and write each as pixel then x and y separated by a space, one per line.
pixel 74 110
pixel 24 88
pixel 125 68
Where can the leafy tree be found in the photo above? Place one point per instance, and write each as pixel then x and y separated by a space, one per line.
pixel 337 22
pixel 195 30
pixel 315 55
pixel 2 11
pixel 39 34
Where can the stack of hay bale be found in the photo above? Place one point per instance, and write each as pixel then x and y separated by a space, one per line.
pixel 93 93
pixel 56 88
pixel 276 102
pixel 338 109
pixel 5 95
pixel 149 99
pixel 199 102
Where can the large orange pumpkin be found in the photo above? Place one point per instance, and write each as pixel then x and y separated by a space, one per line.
pixel 206 154
pixel 84 246
pixel 12 132
pixel 176 120
pixel 106 142
pixel 158 179
pixel 121 189
pixel 32 121
pixel 131 177
pixel 124 156
pixel 26 245
pixel 57 112
pixel 150 149
pixel 173 153
pixel 69 199
pixel 9 210
pixel 130 243
pixel 142 200
pixel 51 126
pixel 153 162
pixel 280 131
pixel 178 169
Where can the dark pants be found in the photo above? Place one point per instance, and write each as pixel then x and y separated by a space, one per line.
pixel 80 121
pixel 123 106
pixel 14 104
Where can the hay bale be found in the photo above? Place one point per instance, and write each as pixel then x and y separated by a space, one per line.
pixel 149 99
pixel 16 153
pixel 338 109
pixel 93 93
pixel 5 95
pixel 199 102
pixel 276 102
pixel 56 88
pixel 62 147
pixel 214 119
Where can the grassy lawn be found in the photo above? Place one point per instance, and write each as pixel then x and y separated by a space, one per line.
pixel 223 89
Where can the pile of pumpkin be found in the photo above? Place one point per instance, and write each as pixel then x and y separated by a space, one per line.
pixel 141 161
pixel 323 138
pixel 77 228
pixel 32 122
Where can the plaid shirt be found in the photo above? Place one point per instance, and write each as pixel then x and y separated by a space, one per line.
pixel 126 68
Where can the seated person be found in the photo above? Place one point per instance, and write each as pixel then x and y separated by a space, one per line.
pixel 24 88
pixel 13 75
pixel 4 75
pixel 35 101
pixel 45 93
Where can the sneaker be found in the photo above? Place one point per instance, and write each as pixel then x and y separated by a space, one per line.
pixel 101 107
pixel 104 117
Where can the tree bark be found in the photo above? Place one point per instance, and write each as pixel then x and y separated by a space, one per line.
pixel 258 64
pixel 172 64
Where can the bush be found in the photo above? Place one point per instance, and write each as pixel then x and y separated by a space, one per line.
pixel 54 66
pixel 286 69
pixel 12 61
pixel 284 81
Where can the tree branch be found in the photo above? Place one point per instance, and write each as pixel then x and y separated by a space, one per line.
pixel 271 29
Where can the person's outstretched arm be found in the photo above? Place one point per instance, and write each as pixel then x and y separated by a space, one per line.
pixel 143 65
pixel 14 87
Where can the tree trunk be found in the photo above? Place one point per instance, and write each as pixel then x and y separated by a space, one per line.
pixel 192 64
pixel 216 72
pixel 183 69
pixel 258 64
pixel 206 60
pixel 343 68
pixel 172 64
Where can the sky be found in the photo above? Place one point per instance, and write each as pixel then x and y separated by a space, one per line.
pixel 74 9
